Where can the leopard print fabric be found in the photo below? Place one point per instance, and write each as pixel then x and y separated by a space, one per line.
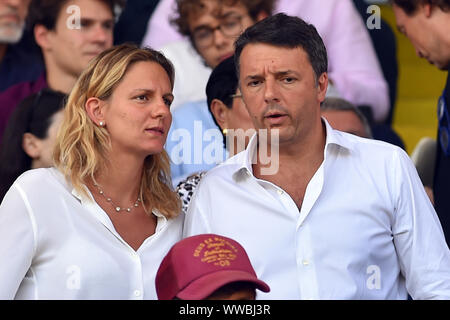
pixel 186 188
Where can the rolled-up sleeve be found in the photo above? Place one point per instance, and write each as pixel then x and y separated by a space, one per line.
pixel 17 241
pixel 418 237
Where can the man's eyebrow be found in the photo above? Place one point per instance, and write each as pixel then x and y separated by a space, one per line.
pixel 286 72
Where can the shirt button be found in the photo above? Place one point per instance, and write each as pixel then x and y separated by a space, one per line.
pixel 137 293
pixel 305 263
pixel 280 192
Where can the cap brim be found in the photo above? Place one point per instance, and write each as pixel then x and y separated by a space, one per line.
pixel 203 287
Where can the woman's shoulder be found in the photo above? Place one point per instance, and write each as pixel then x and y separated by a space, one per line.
pixel 41 178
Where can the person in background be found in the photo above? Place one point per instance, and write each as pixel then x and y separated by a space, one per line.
pixel 30 136
pixel 344 116
pixel 98 225
pixel 67 42
pixel 18 59
pixel 224 112
pixel 230 120
pixel 207 267
pixel 426 23
pixel 341 217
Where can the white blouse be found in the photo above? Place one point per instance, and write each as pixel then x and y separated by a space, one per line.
pixel 57 244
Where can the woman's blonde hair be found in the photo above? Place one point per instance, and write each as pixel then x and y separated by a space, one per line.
pixel 82 147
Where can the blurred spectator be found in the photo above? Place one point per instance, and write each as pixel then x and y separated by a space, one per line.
pixel 426 24
pixel 225 113
pixel 133 20
pixel 207 267
pixel 354 70
pixel 343 116
pixel 29 136
pixel 69 38
pixel 17 59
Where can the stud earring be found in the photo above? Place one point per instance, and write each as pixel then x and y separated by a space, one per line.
pixel 101 123
pixel 225 131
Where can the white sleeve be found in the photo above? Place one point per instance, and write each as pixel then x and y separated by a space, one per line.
pixel 199 213
pixel 17 241
pixel 423 254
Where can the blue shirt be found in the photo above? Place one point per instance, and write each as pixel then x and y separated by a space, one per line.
pixel 194 142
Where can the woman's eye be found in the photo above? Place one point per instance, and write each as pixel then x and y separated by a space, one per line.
pixel 141 98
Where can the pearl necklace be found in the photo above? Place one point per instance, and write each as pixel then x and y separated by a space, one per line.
pixel 117 208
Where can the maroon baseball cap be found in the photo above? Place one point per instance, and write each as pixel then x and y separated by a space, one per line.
pixel 197 266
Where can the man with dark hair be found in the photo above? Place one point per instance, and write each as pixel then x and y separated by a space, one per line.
pixel 323 214
pixel 354 69
pixel 69 33
pixel 427 23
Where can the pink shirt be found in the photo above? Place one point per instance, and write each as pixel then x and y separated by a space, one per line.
pixel 353 65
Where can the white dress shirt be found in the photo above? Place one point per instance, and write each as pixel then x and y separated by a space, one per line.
pixel 57 244
pixel 365 230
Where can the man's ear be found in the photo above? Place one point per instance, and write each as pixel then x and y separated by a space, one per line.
pixel 261 15
pixel 32 145
pixel 220 111
pixel 426 8
pixel 41 35
pixel 322 86
pixel 96 111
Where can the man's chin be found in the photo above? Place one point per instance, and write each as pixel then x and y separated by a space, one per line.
pixel 11 34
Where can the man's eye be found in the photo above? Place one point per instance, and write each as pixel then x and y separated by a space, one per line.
pixel 288 80
pixel 168 101
pixel 202 34
pixel 254 83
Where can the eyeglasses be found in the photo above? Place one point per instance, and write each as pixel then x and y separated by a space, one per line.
pixel 444 125
pixel 231 26
pixel 237 95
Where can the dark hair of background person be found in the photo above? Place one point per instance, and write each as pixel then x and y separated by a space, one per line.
pixel 46 12
pixel 285 31
pixel 222 83
pixel 410 6
pixel 186 7
pixel 32 115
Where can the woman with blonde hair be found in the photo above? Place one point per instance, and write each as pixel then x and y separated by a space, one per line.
pixel 98 225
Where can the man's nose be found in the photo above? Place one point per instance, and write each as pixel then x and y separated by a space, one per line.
pixel 270 91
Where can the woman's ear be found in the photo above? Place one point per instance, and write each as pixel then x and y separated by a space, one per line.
pixel 32 145
pixel 220 112
pixel 95 110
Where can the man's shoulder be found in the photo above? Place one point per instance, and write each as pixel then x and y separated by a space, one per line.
pixel 371 148
pixel 226 170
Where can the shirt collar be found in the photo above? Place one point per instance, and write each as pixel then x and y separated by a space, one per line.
pixel 334 137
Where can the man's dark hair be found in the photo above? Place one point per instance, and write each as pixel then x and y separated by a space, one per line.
pixel 46 12
pixel 286 31
pixel 222 83
pixel 410 6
